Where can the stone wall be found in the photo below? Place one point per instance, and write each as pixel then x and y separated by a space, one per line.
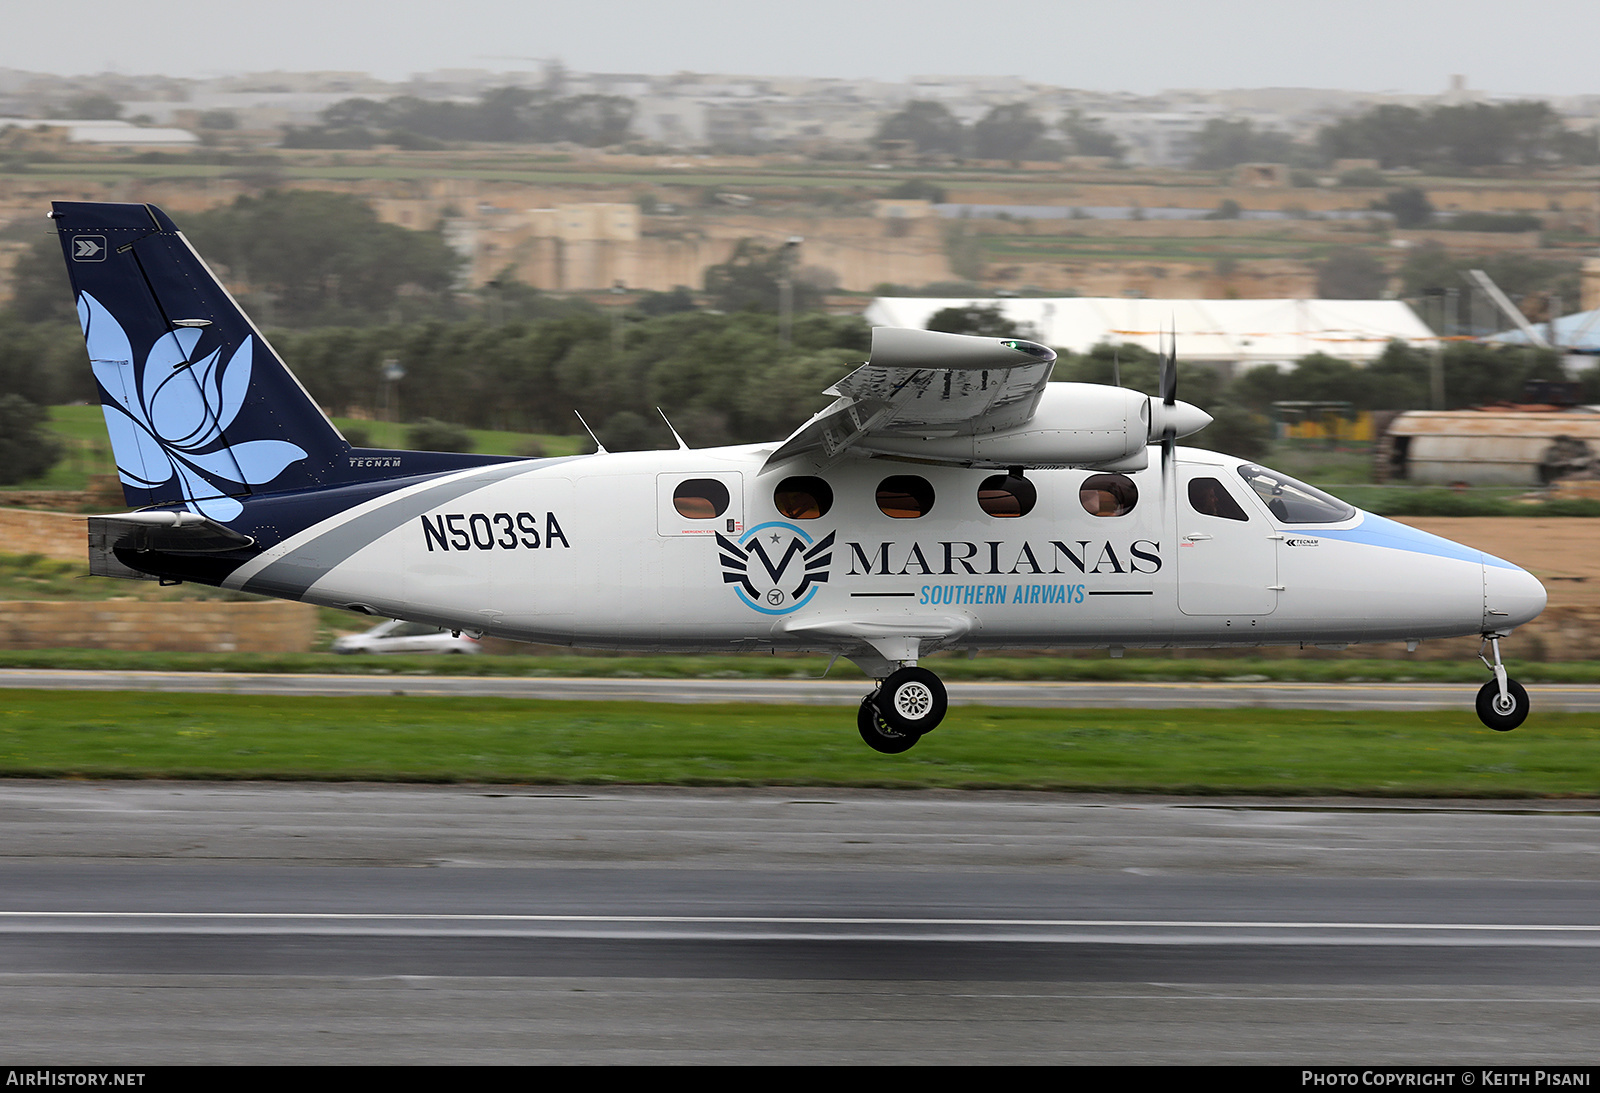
pixel 103 495
pixel 48 500
pixel 196 626
pixel 1561 633
pixel 1474 241
pixel 56 535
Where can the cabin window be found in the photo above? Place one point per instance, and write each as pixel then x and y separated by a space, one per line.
pixel 905 496
pixel 803 498
pixel 1108 495
pixel 700 499
pixel 1006 495
pixel 1292 502
pixel 1209 497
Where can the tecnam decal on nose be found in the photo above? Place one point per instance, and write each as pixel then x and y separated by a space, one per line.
pixel 951 497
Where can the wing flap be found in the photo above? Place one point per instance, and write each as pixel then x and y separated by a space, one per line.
pixel 924 383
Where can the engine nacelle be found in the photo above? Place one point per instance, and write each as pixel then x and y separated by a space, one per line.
pixel 1075 425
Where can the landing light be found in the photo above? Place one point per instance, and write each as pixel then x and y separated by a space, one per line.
pixel 1033 349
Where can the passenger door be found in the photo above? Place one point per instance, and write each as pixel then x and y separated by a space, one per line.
pixel 1227 553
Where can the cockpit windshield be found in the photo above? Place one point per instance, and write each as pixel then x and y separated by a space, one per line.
pixel 1293 502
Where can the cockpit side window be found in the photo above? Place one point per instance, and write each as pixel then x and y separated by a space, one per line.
pixel 1209 497
pixel 1292 502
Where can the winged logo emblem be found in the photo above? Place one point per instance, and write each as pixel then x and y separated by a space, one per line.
pixel 775 567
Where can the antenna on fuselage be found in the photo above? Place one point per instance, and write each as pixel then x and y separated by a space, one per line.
pixel 599 448
pixel 682 447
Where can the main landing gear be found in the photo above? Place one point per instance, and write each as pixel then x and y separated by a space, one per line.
pixel 1502 702
pixel 906 705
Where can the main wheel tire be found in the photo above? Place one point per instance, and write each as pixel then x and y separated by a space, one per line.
pixel 1503 716
pixel 912 700
pixel 877 733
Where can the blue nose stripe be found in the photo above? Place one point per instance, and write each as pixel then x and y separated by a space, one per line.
pixel 1381 532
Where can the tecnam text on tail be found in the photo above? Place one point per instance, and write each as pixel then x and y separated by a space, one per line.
pixel 951 497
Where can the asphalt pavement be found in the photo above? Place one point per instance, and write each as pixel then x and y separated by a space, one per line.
pixel 1092 695
pixel 193 922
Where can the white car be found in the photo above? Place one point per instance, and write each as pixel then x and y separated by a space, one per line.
pixel 396 636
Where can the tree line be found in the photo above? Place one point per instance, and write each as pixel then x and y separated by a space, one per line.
pixel 1445 139
pixel 724 377
pixel 510 114
pixel 1453 138
pixel 345 294
pixel 1011 131
pixel 299 257
pixel 306 258
pixel 1440 139
pixel 1431 272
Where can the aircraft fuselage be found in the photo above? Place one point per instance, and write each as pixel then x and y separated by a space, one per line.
pixel 592 551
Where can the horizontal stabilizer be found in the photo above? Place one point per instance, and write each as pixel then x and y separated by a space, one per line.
pixel 164 532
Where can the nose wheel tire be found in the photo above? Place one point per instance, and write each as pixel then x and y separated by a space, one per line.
pixel 912 700
pixel 1503 715
pixel 877 733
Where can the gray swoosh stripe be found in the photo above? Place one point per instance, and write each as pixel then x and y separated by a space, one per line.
pixel 293 575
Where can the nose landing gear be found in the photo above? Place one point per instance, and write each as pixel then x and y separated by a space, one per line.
pixel 909 703
pixel 1502 702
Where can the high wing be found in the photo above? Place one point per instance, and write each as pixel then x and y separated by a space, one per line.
pixel 923 384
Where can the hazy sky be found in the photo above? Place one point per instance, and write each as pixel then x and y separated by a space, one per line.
pixel 1544 46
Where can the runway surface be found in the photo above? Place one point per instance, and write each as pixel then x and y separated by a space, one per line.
pixel 1096 695
pixel 168 922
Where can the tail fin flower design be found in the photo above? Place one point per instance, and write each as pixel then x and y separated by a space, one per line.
pixel 168 415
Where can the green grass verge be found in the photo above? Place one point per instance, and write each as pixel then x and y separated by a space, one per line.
pixel 1447 754
pixel 35 577
pixel 1089 667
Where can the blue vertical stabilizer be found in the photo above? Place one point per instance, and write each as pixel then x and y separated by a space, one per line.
pixel 199 408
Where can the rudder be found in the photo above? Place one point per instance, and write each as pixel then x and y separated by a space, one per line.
pixel 199 407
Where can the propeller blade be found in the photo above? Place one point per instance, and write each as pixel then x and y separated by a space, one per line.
pixel 1169 373
pixel 1169 398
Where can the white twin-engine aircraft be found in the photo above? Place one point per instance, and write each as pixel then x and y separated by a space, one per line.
pixel 950 498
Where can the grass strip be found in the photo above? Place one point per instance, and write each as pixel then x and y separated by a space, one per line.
pixel 1090 667
pixel 402 739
